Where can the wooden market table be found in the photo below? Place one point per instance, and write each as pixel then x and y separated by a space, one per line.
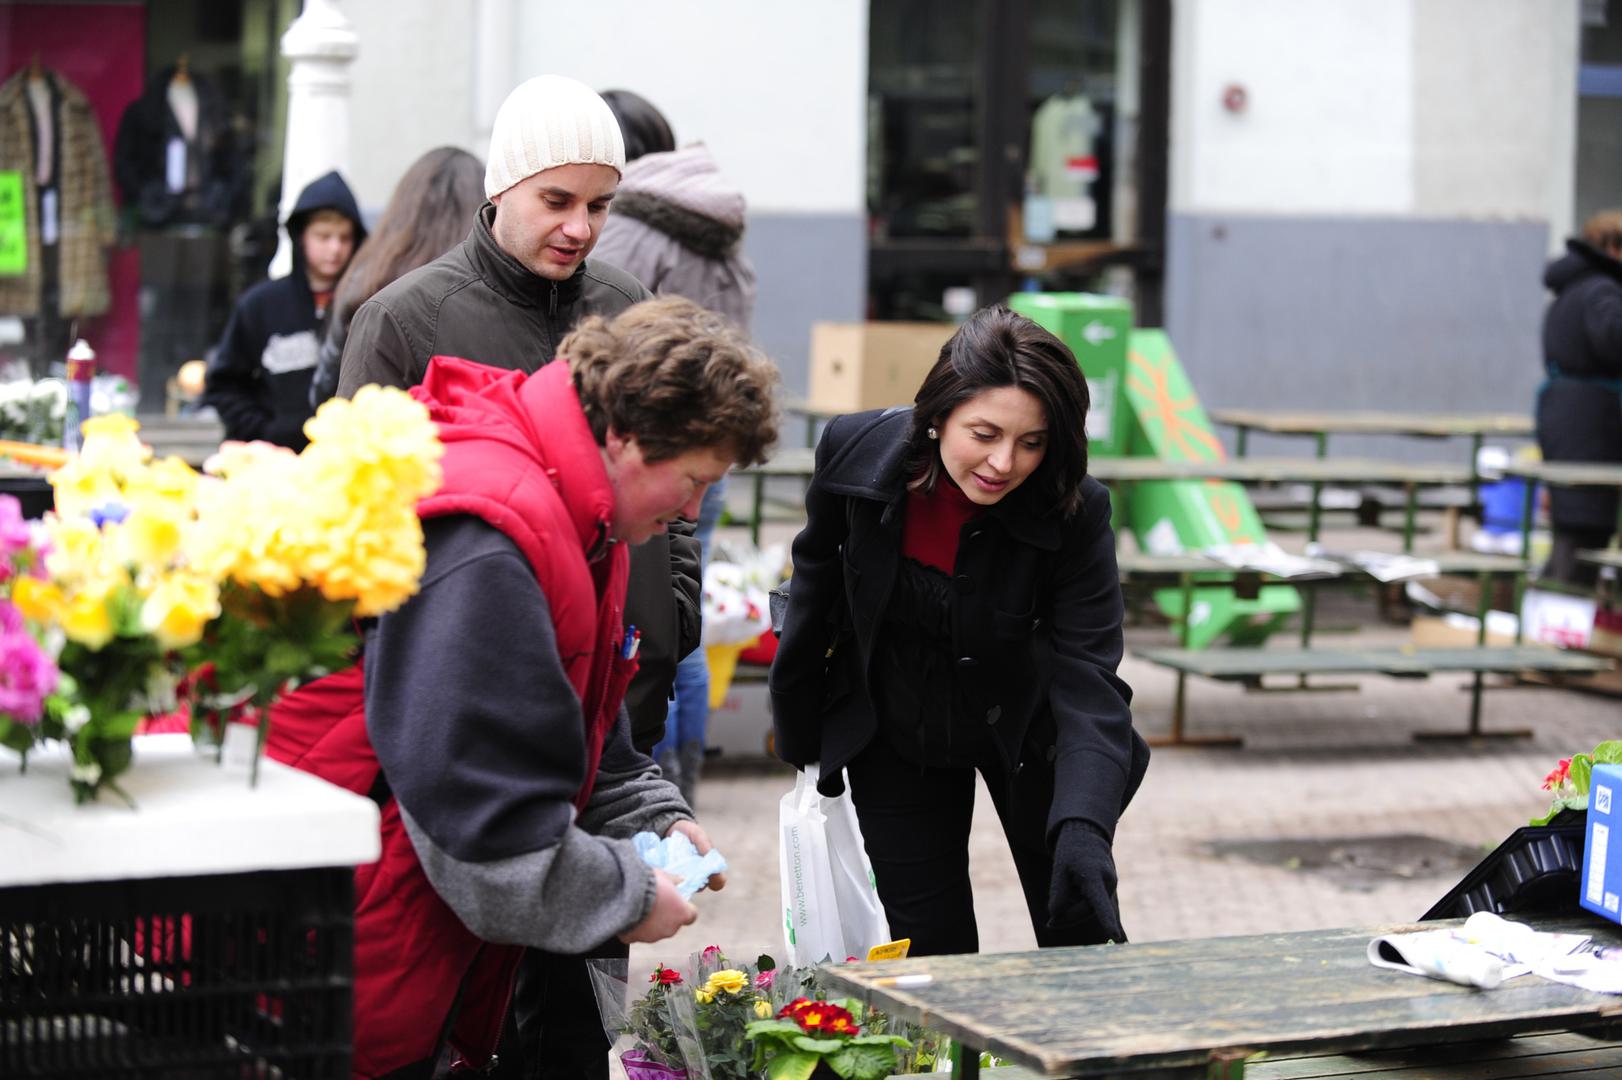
pixel 1200 1008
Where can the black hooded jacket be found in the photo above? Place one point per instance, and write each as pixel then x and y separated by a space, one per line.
pixel 1579 415
pixel 259 378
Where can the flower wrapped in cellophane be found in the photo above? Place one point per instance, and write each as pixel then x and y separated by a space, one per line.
pixel 240 583
pixel 118 597
pixel 303 544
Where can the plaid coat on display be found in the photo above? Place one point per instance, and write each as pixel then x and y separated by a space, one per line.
pixel 86 202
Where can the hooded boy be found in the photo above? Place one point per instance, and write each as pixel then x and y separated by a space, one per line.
pixel 259 377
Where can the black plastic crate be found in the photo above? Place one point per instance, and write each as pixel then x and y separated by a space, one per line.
pixel 227 975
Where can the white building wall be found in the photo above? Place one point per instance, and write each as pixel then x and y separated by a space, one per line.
pixel 1370 230
pixel 1432 108
pixel 413 88
pixel 777 91
pixel 1328 123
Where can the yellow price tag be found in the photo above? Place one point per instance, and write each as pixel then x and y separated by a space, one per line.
pixel 893 950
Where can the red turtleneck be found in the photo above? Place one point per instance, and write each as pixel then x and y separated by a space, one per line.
pixel 933 523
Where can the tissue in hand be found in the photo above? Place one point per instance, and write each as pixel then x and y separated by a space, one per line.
pixel 676 856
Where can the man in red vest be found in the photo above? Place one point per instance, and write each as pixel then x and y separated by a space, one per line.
pixel 489 721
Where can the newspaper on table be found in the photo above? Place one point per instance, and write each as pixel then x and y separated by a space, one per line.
pixel 1489 949
pixel 1269 558
pixel 1380 565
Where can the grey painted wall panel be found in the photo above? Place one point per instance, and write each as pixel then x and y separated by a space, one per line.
pixel 1364 313
pixel 810 268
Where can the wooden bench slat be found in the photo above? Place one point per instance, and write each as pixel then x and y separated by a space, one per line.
pixel 1236 663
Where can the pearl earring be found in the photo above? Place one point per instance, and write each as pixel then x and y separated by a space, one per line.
pixel 932 433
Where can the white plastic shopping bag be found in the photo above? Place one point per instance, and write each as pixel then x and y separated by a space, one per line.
pixel 830 907
pixel 861 915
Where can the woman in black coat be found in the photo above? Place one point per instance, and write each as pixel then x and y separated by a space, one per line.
pixel 1579 411
pixel 955 607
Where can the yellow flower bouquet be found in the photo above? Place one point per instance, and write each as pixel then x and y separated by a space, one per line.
pixel 242 582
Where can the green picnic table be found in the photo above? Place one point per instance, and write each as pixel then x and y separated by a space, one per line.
pixel 800 462
pixel 1254 663
pixel 1403 661
pixel 1563 474
pixel 1320 424
pixel 1200 1008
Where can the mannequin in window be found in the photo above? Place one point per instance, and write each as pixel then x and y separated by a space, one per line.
pixel 49 134
pixel 175 158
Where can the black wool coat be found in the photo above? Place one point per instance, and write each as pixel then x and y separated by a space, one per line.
pixel 1579 413
pixel 1036 628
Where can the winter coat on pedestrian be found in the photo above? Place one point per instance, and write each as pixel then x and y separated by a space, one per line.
pixel 480 303
pixel 1034 627
pixel 678 227
pixel 488 725
pixel 1579 412
pixel 259 377
pixel 85 226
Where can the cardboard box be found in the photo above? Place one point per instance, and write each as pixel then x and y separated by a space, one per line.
pixel 856 366
pixel 1600 890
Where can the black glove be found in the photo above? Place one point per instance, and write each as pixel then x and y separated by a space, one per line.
pixel 1083 888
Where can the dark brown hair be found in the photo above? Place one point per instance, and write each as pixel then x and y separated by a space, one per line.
pixel 430 211
pixel 995 348
pixel 676 377
pixel 644 127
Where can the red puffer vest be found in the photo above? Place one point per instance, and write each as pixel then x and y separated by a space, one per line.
pixel 551 496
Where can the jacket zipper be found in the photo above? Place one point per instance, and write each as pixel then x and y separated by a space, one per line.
pixel 552 307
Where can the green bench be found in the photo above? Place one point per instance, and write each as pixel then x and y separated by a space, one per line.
pixel 1400 662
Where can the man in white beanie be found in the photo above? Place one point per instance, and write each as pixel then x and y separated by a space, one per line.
pixel 506 297
pixel 521 279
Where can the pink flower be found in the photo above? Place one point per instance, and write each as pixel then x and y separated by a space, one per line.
pixel 27 675
pixel 15 534
pixel 712 952
pixel 764 980
pixel 1558 775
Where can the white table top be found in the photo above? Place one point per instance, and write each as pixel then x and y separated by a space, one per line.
pixel 191 817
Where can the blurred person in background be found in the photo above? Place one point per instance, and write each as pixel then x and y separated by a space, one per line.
pixel 678 227
pixel 1579 405
pixel 430 212
pixel 259 378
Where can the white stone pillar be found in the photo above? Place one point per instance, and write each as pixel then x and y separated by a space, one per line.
pixel 495 63
pixel 320 46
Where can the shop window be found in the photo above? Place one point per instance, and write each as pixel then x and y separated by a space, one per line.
pixel 160 117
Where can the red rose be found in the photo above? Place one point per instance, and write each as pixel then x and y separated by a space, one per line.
pixel 665 976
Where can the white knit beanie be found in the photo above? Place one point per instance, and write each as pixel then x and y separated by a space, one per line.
pixel 548 121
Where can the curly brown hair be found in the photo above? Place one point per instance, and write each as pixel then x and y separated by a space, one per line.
pixel 676 377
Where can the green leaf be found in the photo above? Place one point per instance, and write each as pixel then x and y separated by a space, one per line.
pixel 792 1066
pixel 771 1027
pixel 1565 802
pixel 1582 769
pixel 1608 752
pixel 859 1062
pixel 766 963
pixel 816 1046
